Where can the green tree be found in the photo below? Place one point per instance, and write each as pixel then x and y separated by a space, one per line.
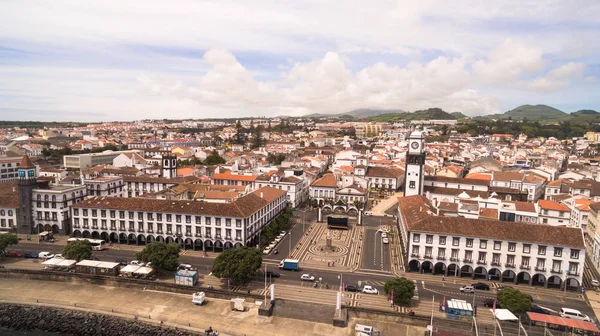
pixel 163 256
pixel 238 265
pixel 213 159
pixel 276 159
pixel 514 300
pixel 403 289
pixel 6 240
pixel 78 250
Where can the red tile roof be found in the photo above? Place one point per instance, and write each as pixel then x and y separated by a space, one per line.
pixel 552 205
pixel 233 177
pixel 26 162
pixel 328 180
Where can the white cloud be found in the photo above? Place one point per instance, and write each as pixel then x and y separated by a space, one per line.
pixel 558 78
pixel 509 62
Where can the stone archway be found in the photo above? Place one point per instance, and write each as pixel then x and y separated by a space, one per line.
pixel 453 270
pixel 508 276
pixel 466 271
pixel 238 245
pixel 352 212
pixel 523 278
pixel 198 244
pixel 572 284
pixel 160 239
pixel 188 243
pixel 86 234
pixel 95 235
pixel 413 265
pixel 131 239
pixel 228 245
pixel 150 239
pixel 439 268
pixel 114 238
pixel 141 240
pixel 481 273
pixel 555 281
pixel 169 240
pixel 539 280
pixel 77 234
pixel 55 229
pixel 426 267
pixel 122 238
pixel 218 246
pixel 104 236
pixel 40 228
pixel 495 274
pixel 208 244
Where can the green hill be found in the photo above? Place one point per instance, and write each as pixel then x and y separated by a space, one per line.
pixel 434 113
pixel 535 112
pixel 458 115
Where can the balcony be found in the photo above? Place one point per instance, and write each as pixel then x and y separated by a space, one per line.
pixel 467 260
pixel 150 231
pixel 159 232
pixel 94 227
pixel 441 257
pixel 188 234
pixel 481 262
pixel 86 226
pixel 103 228
pixel 238 238
pixel 208 235
pixel 556 271
pixel 573 272
pixel 509 265
pixel 454 259
pixel 76 226
pixel 541 269
pixel 228 237
pixel 169 232
pixel 198 234
pixel 525 267
pixel 414 255
pixel 496 263
pixel 218 237
pixel 428 256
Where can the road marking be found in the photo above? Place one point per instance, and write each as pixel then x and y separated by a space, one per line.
pixel 561 300
pixel 443 284
pixel 422 283
pixel 538 297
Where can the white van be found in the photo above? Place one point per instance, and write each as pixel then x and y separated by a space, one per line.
pixel 574 314
pixel 363 330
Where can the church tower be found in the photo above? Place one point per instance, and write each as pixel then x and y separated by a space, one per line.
pixel 27 182
pixel 415 161
pixel 169 166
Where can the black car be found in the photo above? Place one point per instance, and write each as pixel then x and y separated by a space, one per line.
pixel 539 310
pixel 32 255
pixel 121 262
pixel 481 285
pixel 351 288
pixel 93 258
pixel 272 274
pixel 490 303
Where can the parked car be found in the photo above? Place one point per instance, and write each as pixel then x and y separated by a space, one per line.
pixel 368 213
pixel 273 274
pixel 502 287
pixel 481 285
pixel 15 254
pixel 490 303
pixel 385 240
pixel 45 255
pixel 136 262
pixel 58 256
pixel 307 277
pixel 467 289
pixel 539 310
pixel 595 283
pixel 351 288
pixel 32 255
pixel 93 258
pixel 383 234
pixel 574 314
pixel 370 290
pixel 121 262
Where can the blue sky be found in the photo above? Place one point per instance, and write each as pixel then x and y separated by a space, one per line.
pixel 115 60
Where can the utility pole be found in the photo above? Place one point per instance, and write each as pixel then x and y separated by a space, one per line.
pixel 431 322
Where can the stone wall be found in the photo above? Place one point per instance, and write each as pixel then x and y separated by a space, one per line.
pixel 73 322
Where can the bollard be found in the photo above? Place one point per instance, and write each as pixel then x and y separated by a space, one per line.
pixel 149 317
pixel 75 304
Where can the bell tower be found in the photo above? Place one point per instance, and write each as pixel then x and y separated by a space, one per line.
pixel 415 162
pixel 27 182
pixel 169 166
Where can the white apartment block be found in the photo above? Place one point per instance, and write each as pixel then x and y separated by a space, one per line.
pixel 295 186
pixel 139 185
pixel 537 255
pixel 8 214
pixel 111 186
pixel 196 225
pixel 84 161
pixel 553 213
pixel 51 205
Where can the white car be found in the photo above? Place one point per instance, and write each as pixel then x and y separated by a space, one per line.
pixel 574 314
pixel 307 277
pixel 467 289
pixel 370 290
pixel 267 250
pixel 385 240
pixel 45 255
pixel 595 283
pixel 383 234
pixel 58 256
pixel 137 263
pixel 282 233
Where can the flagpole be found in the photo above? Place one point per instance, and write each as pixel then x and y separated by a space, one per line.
pixel 431 322
pixel 265 285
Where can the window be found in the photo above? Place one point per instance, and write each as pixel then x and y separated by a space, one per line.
pixel 416 238
pixel 510 259
pixel 541 264
pixel 469 242
pixel 131 226
pixel 159 217
pixel 207 220
pixel 455 241
pixel 112 214
pixel 121 214
pixel 415 251
pixel 482 256
pixel 482 244
pixel 76 212
pixel 188 219
pixel 227 222
pixel 208 232
pixel 442 240
pixel 428 252
pixel 468 255
pixel 497 245
pixel 429 239
pixel 150 216
pixel 198 218
pixel 544 220
pixel 412 184
pixel 454 254
pixel 178 218
pixel 130 215
pixel 525 261
pixel 94 213
pixel 557 266
pixel 496 258
pixel 441 253
pixel 574 254
pixel 238 223
pixel 218 221
pixel 512 247
pixel 573 268
pixel 169 218
pixel 558 252
pixel 526 248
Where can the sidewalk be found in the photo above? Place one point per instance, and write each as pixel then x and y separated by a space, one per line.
pixel 383 205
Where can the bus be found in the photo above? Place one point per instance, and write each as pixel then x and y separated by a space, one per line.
pixel 97 244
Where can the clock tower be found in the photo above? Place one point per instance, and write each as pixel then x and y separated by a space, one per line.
pixel 27 182
pixel 415 161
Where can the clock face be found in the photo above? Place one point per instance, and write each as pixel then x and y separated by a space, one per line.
pixel 414 145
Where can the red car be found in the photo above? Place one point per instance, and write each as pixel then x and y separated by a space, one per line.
pixel 15 254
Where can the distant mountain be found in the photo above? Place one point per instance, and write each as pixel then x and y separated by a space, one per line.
pixel 585 113
pixel 359 113
pixel 458 115
pixel 434 113
pixel 532 113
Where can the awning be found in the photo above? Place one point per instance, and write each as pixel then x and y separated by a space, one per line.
pixel 52 261
pixel 129 269
pixel 504 315
pixel 107 264
pixel 544 318
pixel 66 263
pixel 143 270
pixel 89 263
pixel 582 325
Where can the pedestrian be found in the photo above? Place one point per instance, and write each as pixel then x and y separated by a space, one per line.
pixel 136 317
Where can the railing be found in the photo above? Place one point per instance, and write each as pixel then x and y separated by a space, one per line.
pixel 414 255
pixel 556 271
pixel 454 259
pixel 481 262
pixel 467 260
pixel 541 269
pixel 428 256
pixel 496 263
pixel 574 272
pixel 526 267
pixel 509 265
pixel 441 257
